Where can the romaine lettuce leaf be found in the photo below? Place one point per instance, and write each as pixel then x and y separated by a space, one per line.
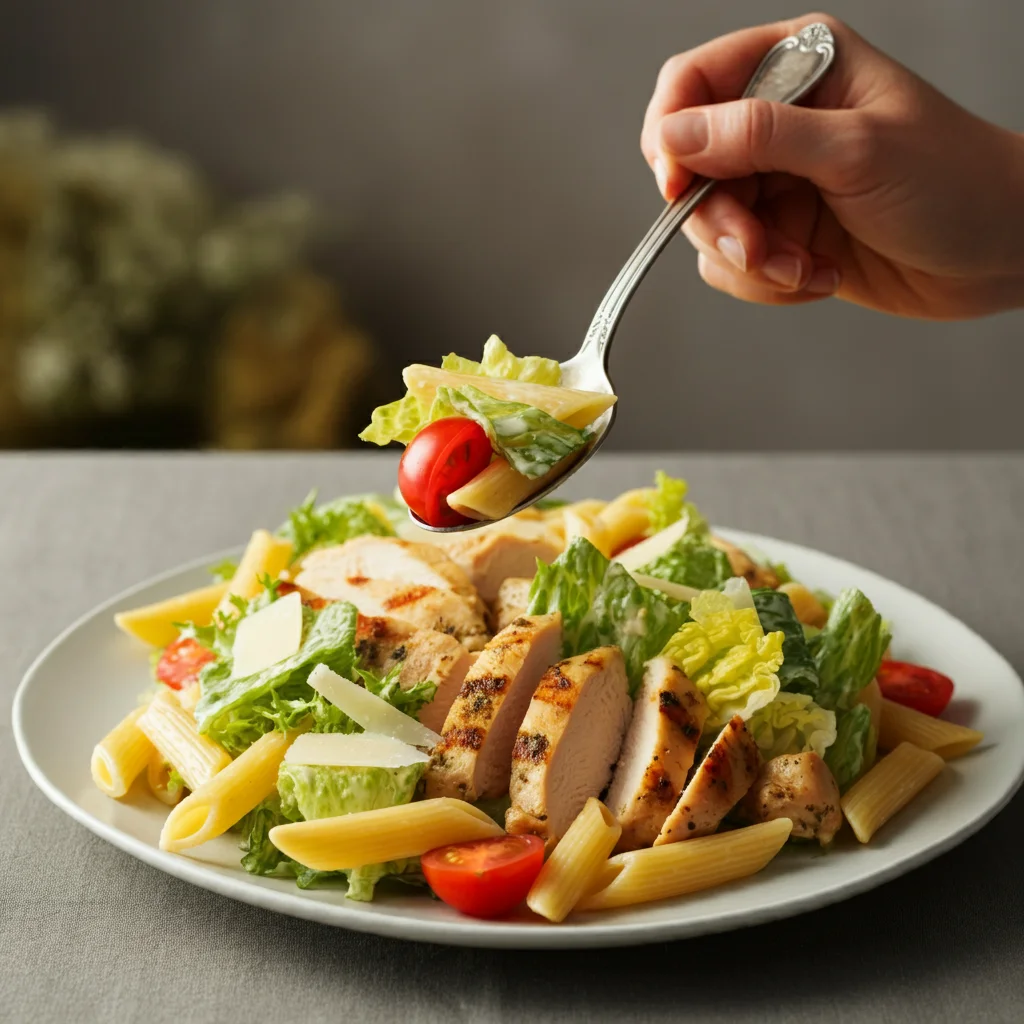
pixel 848 756
pixel 791 724
pixel 568 585
pixel 260 855
pixel 728 656
pixel 667 503
pixel 321 791
pixel 397 421
pixel 335 522
pixel 798 673
pixel 499 362
pixel 692 562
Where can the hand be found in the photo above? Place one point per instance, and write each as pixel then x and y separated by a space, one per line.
pixel 881 190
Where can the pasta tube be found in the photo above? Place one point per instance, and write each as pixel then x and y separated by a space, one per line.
pixel 579 523
pixel 390 833
pixel 265 555
pixel 228 796
pixel 121 756
pixel 173 731
pixel 874 798
pixel 902 724
pixel 625 518
pixel 576 863
pixel 158 773
pixel 155 623
pixel 659 872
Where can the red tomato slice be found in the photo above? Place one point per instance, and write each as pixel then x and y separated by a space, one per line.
pixel 442 457
pixel 181 661
pixel 487 877
pixel 914 686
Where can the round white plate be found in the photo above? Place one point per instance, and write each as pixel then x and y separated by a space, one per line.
pixel 90 676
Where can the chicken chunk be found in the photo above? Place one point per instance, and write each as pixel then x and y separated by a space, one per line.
pixel 657 754
pixel 719 783
pixel 511 601
pixel 743 565
pixel 473 759
pixel 568 742
pixel 799 787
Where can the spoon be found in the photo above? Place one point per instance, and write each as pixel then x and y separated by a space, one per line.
pixel 789 71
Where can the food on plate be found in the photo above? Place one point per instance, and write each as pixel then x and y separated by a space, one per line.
pixel 369 705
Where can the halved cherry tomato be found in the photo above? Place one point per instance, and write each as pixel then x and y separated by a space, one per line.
pixel 442 457
pixel 914 686
pixel 487 877
pixel 181 661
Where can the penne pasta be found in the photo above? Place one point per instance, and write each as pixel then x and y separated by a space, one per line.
pixel 158 773
pixel 188 698
pixel 871 698
pixel 905 725
pixel 173 731
pixel 265 555
pixel 228 796
pixel 577 862
pixel 579 523
pixel 625 518
pixel 391 833
pixel 897 778
pixel 660 872
pixel 121 756
pixel 155 623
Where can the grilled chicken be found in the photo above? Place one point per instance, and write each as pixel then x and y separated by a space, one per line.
pixel 511 601
pixel 568 742
pixel 743 565
pixel 799 787
pixel 473 759
pixel 423 654
pixel 719 783
pixel 657 754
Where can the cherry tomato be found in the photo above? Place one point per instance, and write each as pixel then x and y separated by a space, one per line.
pixel 914 686
pixel 487 877
pixel 631 543
pixel 181 661
pixel 442 457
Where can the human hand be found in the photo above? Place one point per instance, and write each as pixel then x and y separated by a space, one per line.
pixel 881 191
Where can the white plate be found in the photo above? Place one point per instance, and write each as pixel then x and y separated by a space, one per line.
pixel 88 678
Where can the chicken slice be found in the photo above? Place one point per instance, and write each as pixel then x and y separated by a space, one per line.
pixel 726 773
pixel 799 787
pixel 743 565
pixel 568 742
pixel 511 602
pixel 473 759
pixel 657 754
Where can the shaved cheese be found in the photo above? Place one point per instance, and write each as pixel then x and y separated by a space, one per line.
pixel 648 550
pixel 738 591
pixel 677 591
pixel 268 636
pixel 368 710
pixel 359 750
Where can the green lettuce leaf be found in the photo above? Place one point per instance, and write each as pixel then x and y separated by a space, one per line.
pixel 798 673
pixel 223 571
pixel 568 585
pixel 791 724
pixel 530 439
pixel 310 526
pixel 499 362
pixel 397 421
pixel 692 562
pixel 495 807
pixel 260 855
pixel 848 651
pixel 848 757
pixel 667 503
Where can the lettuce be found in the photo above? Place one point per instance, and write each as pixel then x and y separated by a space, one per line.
pixel 335 522
pixel 666 504
pixel 848 651
pixel 798 673
pixel 692 562
pixel 791 724
pixel 729 657
pixel 397 421
pixel 260 855
pixel 568 585
pixel 853 749
pixel 223 571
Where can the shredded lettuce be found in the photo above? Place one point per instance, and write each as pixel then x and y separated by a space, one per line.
pixel 666 504
pixel 849 757
pixel 798 673
pixel 791 724
pixel 223 571
pixel 175 783
pixel 310 526
pixel 729 657
pixel 692 562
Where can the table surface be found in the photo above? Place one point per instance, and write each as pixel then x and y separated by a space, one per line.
pixel 88 933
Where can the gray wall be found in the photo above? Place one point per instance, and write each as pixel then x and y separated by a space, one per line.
pixel 479 164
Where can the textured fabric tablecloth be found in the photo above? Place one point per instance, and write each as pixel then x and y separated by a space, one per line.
pixel 87 933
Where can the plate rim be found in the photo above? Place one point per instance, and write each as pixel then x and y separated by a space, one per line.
pixel 470 932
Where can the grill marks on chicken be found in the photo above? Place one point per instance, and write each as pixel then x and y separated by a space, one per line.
pixel 568 742
pixel 473 760
pixel 657 754
pixel 720 781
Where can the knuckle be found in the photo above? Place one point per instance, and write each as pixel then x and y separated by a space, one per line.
pixel 673 68
pixel 757 125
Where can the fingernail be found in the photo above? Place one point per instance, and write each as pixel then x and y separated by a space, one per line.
pixel 783 270
pixel 824 281
pixel 685 133
pixel 732 249
pixel 660 174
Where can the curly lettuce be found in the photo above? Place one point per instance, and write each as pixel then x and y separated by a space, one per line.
pixel 798 672
pixel 791 724
pixel 311 526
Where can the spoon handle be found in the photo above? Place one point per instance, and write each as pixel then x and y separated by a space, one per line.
pixel 788 72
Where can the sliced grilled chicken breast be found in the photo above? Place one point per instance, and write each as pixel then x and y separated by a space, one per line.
pixel 657 755
pixel 474 757
pixel 568 742
pixel 799 787
pixel 719 783
pixel 743 565
pixel 511 601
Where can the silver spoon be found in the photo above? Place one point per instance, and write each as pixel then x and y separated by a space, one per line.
pixel 789 71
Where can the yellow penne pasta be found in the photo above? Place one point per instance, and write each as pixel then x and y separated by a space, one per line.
pixel 155 623
pixel 390 833
pixel 625 518
pixel 902 724
pixel 660 872
pixel 158 773
pixel 576 863
pixel 587 507
pixel 188 698
pixel 121 756
pixel 227 797
pixel 874 798
pixel 173 731
pixel 265 555
pixel 578 523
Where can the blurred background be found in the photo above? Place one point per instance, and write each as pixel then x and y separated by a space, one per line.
pixel 230 223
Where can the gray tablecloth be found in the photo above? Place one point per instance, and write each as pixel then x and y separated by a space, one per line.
pixel 88 933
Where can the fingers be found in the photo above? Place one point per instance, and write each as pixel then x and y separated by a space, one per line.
pixel 726 223
pixel 822 283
